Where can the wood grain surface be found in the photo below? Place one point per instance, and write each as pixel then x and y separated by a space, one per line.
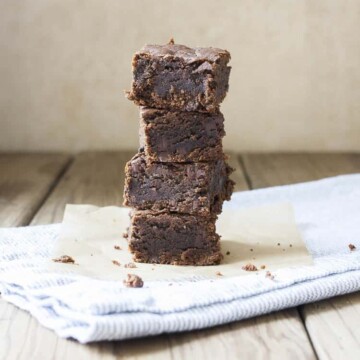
pixel 97 178
pixel 25 181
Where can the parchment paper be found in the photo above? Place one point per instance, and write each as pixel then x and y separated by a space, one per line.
pixel 264 235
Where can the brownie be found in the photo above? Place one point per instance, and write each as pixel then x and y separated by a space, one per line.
pixel 171 238
pixel 177 77
pixel 192 188
pixel 181 136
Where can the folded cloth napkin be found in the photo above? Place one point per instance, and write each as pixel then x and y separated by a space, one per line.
pixel 327 214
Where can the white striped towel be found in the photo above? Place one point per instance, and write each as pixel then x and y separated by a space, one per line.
pixel 327 214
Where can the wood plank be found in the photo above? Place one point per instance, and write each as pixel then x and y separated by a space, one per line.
pixel 333 325
pixel 25 180
pixel 85 182
pixel 275 336
pixel 238 175
pixel 94 178
pixel 266 170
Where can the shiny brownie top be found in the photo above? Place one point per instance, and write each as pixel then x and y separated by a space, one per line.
pixel 189 55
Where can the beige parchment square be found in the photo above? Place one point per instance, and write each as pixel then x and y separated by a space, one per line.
pixel 265 235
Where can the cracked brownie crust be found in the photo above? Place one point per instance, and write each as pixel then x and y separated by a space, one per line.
pixel 191 188
pixel 180 78
pixel 177 239
pixel 180 136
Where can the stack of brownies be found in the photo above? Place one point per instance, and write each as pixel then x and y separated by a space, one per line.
pixel 178 181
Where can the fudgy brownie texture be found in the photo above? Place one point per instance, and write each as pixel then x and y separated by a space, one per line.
pixel 192 188
pixel 177 77
pixel 177 239
pixel 181 136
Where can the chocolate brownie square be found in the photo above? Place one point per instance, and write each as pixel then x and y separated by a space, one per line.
pixel 192 188
pixel 177 77
pixel 177 239
pixel 181 136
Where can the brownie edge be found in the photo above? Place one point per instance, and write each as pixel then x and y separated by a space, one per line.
pixel 176 239
pixel 177 77
pixel 191 188
pixel 181 136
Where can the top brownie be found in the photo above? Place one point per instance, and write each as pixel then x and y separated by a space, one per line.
pixel 176 77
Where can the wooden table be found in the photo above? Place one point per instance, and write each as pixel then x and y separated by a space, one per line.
pixel 34 189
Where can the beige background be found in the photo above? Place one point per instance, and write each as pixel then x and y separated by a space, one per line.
pixel 295 82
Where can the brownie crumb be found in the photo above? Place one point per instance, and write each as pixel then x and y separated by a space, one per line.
pixel 278 244
pixel 115 262
pixel 117 247
pixel 228 253
pixel 171 41
pixel 290 245
pixel 251 249
pixel 352 247
pixel 125 235
pixel 249 267
pixel 262 267
pixel 218 273
pixel 130 265
pixel 65 259
pixel 133 281
pixel 269 275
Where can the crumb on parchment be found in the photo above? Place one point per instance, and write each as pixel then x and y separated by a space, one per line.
pixel 228 253
pixel 130 265
pixel 249 267
pixel 115 262
pixel 133 281
pixel 262 267
pixel 218 273
pixel 269 275
pixel 117 247
pixel 352 247
pixel 65 259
